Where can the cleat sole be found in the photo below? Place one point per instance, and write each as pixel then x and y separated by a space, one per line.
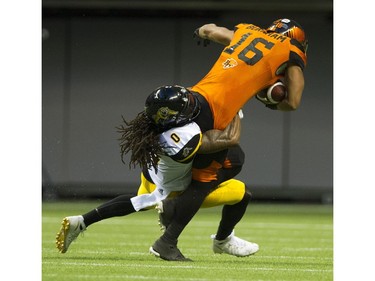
pixel 60 237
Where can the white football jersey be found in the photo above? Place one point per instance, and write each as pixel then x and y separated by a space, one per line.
pixel 174 168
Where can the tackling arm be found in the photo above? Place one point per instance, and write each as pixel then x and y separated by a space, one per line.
pixel 215 33
pixel 216 140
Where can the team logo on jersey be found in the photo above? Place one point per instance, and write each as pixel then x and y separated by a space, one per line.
pixel 161 191
pixel 164 113
pixel 229 63
pixel 186 151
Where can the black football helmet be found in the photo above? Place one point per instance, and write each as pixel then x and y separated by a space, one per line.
pixel 291 29
pixel 171 106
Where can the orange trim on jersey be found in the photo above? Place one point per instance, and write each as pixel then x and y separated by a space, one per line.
pixel 227 164
pixel 207 174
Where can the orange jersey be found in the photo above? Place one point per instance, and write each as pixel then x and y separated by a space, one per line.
pixel 251 62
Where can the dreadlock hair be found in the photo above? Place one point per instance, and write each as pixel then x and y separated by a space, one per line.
pixel 141 137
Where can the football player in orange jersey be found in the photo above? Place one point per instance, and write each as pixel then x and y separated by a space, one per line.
pixel 168 171
pixel 253 59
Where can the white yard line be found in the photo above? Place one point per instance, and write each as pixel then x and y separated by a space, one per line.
pixel 247 267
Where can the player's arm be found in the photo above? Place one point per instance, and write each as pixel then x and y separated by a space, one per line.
pixel 215 33
pixel 295 83
pixel 216 140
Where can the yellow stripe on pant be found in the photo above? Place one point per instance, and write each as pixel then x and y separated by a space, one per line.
pixel 228 193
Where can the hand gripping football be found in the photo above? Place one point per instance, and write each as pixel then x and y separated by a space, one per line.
pixel 274 94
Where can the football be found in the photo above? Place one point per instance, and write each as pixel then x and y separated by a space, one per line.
pixel 274 94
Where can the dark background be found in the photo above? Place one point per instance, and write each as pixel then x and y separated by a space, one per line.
pixel 100 59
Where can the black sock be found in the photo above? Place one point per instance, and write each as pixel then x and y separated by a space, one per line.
pixel 230 216
pixel 119 206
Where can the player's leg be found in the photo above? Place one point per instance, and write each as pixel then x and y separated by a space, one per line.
pixel 234 197
pixel 229 192
pixel 181 212
pixel 72 226
pixel 225 241
pixel 207 174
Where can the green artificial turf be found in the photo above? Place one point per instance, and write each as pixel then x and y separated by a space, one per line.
pixel 296 243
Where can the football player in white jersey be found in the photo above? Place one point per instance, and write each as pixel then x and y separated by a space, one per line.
pixel 170 174
pixel 212 169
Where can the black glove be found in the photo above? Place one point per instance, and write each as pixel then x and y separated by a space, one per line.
pixel 200 40
pixel 272 106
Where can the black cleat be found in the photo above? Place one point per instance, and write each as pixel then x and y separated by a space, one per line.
pixel 168 252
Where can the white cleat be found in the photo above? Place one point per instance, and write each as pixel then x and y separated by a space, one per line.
pixel 71 227
pixel 234 246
